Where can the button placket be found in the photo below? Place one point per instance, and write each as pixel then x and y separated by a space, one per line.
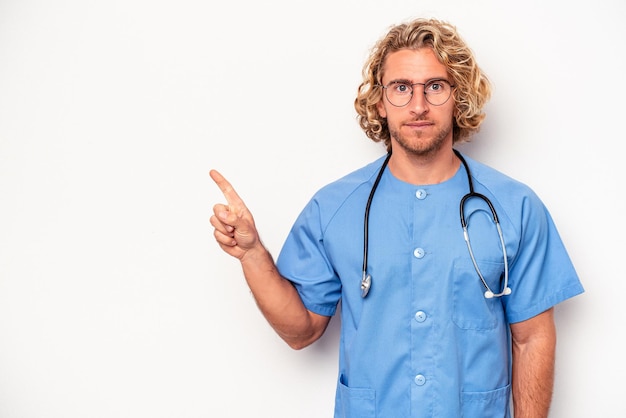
pixel 420 316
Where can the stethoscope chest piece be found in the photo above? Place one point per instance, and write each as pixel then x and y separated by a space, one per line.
pixel 366 284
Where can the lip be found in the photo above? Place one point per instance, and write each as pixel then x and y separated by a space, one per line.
pixel 419 124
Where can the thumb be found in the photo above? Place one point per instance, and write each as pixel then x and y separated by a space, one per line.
pixel 238 223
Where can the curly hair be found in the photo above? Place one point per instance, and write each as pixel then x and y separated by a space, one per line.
pixel 471 93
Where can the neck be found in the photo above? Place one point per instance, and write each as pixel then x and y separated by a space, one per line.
pixel 424 169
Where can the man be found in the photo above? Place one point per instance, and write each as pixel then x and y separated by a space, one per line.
pixel 433 325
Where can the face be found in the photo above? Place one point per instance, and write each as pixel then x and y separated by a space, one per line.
pixel 418 128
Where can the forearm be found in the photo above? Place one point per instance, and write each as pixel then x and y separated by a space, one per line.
pixel 533 374
pixel 279 300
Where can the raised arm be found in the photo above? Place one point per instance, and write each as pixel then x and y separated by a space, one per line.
pixel 534 343
pixel 278 300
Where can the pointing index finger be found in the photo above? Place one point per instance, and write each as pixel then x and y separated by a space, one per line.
pixel 232 198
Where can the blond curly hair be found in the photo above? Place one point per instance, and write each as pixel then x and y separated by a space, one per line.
pixel 472 88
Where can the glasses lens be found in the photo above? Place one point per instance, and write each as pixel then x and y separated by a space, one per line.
pixel 399 94
pixel 437 92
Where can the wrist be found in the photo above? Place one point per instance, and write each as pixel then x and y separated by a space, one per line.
pixel 257 254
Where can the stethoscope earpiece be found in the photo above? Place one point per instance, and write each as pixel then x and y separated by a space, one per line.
pixel 489 294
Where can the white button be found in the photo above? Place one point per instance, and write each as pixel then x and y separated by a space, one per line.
pixel 421 194
pixel 420 380
pixel 419 252
pixel 420 316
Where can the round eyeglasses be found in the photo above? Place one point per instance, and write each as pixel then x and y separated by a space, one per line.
pixel 400 93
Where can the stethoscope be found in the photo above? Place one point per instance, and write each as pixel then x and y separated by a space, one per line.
pixel 366 280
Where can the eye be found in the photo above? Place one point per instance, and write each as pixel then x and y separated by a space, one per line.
pixel 400 88
pixel 436 86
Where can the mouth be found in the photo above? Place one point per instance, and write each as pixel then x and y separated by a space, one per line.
pixel 419 124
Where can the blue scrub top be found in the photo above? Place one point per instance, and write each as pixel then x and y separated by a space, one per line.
pixel 425 342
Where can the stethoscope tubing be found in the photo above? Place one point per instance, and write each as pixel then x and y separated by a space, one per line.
pixel 366 280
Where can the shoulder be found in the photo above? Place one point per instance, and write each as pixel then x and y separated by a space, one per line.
pixel 519 201
pixel 340 189
pixel 346 192
pixel 496 182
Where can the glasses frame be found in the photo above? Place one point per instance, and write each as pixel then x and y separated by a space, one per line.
pixel 407 83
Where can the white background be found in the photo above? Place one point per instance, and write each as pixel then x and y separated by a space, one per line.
pixel 115 300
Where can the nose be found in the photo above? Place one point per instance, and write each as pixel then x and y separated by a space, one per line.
pixel 418 103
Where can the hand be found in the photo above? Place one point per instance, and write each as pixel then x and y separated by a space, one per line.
pixel 235 230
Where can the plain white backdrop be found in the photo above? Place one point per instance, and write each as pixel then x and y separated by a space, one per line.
pixel 115 300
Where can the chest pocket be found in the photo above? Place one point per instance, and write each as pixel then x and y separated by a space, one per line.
pixel 472 310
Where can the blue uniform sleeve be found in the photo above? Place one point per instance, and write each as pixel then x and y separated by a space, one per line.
pixel 542 274
pixel 303 261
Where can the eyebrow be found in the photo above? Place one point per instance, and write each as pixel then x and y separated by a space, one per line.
pixel 407 81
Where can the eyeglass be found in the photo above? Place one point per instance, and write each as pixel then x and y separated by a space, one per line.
pixel 400 93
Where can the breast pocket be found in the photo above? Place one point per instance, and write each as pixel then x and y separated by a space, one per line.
pixel 471 309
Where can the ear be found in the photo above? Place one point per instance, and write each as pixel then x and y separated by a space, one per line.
pixel 380 106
